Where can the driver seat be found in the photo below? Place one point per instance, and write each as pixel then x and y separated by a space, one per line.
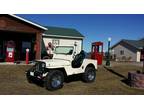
pixel 78 60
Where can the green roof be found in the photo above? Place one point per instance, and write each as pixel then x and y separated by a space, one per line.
pixel 59 31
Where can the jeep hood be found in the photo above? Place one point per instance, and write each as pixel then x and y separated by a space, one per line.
pixel 56 62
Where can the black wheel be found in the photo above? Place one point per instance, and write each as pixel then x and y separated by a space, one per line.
pixel 89 75
pixel 29 78
pixel 54 80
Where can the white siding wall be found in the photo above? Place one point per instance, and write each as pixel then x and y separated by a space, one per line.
pixel 127 53
pixel 64 42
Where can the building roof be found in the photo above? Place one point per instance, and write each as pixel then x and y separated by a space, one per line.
pixel 138 44
pixel 62 32
pixel 27 21
pixel 53 31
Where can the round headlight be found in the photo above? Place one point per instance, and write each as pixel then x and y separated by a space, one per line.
pixel 43 65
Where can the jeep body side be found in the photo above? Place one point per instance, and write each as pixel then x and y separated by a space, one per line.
pixel 53 71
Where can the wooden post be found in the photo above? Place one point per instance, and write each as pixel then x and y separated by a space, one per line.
pixel 27 56
pixel 38 46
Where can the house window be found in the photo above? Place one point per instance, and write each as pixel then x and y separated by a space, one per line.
pixel 55 42
pixel 121 52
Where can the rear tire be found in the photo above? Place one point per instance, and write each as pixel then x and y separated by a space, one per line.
pixel 54 80
pixel 89 75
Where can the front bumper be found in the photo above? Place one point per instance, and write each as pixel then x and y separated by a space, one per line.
pixel 37 71
pixel 36 75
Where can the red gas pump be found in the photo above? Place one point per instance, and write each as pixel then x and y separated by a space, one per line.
pixel 10 48
pixel 97 52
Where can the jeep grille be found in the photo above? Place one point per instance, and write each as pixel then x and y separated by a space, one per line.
pixel 39 66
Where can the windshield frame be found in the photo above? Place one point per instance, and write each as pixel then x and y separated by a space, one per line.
pixel 65 47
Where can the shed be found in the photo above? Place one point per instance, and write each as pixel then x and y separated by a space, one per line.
pixel 60 36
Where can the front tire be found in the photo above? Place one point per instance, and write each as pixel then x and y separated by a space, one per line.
pixel 89 75
pixel 54 80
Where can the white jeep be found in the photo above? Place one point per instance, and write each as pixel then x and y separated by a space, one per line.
pixel 64 63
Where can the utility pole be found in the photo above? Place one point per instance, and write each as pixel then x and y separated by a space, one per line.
pixel 108 55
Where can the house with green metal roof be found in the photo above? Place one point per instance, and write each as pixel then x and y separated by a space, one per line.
pixel 59 36
pixel 62 32
pixel 128 50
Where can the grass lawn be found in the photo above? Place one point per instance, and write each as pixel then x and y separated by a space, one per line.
pixel 13 82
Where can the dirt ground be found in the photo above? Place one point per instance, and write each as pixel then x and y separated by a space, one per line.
pixel 13 82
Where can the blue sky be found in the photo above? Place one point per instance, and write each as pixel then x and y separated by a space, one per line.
pixel 95 27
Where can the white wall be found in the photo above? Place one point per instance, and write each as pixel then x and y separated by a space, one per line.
pixel 127 53
pixel 138 56
pixel 64 42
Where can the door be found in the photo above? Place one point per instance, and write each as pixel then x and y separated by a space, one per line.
pixel 99 54
pixel 138 56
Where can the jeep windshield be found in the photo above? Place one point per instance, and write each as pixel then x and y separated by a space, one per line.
pixel 67 50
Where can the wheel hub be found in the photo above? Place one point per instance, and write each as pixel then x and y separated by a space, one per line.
pixel 56 81
pixel 90 76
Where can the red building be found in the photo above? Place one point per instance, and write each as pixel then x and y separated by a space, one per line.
pixel 17 34
pixel 23 33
